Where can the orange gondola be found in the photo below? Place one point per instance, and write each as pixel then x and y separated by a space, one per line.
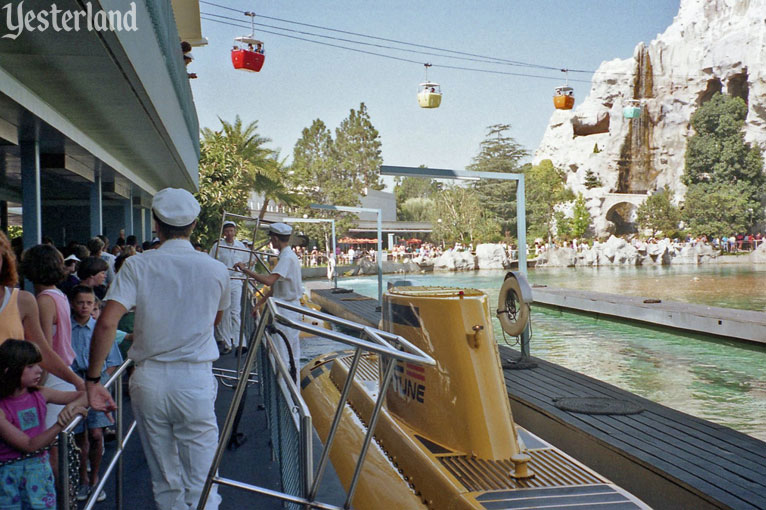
pixel 563 97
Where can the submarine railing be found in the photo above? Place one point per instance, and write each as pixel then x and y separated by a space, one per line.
pixel 388 346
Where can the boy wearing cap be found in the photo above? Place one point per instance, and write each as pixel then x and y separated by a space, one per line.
pixel 284 283
pixel 172 389
pixel 230 251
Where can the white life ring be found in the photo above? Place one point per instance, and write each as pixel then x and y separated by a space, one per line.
pixel 512 310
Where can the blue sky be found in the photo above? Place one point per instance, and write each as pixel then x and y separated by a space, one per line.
pixel 301 81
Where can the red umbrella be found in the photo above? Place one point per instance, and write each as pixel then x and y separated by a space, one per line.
pixel 414 240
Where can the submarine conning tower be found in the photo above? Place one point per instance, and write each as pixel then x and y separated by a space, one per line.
pixel 461 403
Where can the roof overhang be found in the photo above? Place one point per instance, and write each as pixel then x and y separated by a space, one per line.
pixel 117 94
pixel 188 21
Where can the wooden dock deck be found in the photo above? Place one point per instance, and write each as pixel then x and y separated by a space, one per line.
pixel 730 323
pixel 667 458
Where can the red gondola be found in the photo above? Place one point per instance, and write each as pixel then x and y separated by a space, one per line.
pixel 250 56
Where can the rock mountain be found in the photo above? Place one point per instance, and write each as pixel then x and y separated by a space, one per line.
pixel 712 45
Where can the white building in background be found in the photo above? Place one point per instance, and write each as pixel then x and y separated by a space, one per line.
pixel 366 224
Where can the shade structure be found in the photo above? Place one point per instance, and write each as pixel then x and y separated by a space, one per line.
pixel 358 240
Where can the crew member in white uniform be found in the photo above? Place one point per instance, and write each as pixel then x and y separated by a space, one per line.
pixel 179 294
pixel 284 283
pixel 227 332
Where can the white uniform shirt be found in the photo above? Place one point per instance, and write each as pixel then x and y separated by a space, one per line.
pixel 176 292
pixel 288 286
pixel 230 257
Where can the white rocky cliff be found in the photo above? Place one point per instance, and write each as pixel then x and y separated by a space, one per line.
pixel 712 45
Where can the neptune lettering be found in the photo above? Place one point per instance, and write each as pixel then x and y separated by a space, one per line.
pixel 406 382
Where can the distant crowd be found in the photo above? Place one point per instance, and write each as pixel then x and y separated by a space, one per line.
pixel 735 243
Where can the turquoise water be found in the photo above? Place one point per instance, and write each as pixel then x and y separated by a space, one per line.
pixel 718 380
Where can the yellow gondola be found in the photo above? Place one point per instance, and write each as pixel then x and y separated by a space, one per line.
pixel 429 93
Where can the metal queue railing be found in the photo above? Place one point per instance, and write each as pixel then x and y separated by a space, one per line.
pixel 64 496
pixel 389 348
pixel 289 421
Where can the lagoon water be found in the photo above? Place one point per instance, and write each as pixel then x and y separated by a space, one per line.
pixel 719 380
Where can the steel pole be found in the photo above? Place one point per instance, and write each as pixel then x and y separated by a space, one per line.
pixel 380 257
pixel 334 257
pixel 521 224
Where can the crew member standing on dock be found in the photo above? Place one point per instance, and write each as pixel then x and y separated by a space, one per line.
pixel 284 283
pixel 179 295
pixel 230 251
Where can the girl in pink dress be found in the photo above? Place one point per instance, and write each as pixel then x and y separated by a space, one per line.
pixel 28 481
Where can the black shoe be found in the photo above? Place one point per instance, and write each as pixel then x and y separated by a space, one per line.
pixel 243 350
pixel 226 350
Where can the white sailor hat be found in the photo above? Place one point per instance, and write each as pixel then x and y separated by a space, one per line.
pixel 175 207
pixel 282 229
pixel 72 257
pixel 229 223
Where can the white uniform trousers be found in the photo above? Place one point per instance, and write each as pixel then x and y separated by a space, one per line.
pixel 293 337
pixel 227 331
pixel 174 406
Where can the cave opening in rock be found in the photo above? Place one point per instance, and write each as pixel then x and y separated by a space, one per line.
pixel 623 217
pixel 737 86
pixel 713 85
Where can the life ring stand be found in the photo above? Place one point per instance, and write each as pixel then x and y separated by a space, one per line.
pixel 513 304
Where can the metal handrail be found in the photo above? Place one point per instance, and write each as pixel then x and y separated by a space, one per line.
pixel 389 347
pixel 62 482
pixel 382 339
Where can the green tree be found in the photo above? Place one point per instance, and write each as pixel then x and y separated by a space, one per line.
pixel 274 188
pixel 314 165
pixel 459 216
pixel 408 188
pixel 499 152
pixel 658 214
pixel 592 180
pixel 563 225
pixel 719 162
pixel 313 174
pixel 416 209
pixel 358 151
pixel 233 162
pixel 718 209
pixel 545 189
pixel 15 231
pixel 580 217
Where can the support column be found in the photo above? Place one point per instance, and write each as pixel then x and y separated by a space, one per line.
pixel 142 224
pixel 96 207
pixel 127 206
pixel 148 223
pixel 138 224
pixel 30 192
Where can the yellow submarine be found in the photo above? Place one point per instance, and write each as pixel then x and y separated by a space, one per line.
pixel 445 438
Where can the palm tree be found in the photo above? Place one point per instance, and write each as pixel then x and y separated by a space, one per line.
pixel 273 187
pixel 248 145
